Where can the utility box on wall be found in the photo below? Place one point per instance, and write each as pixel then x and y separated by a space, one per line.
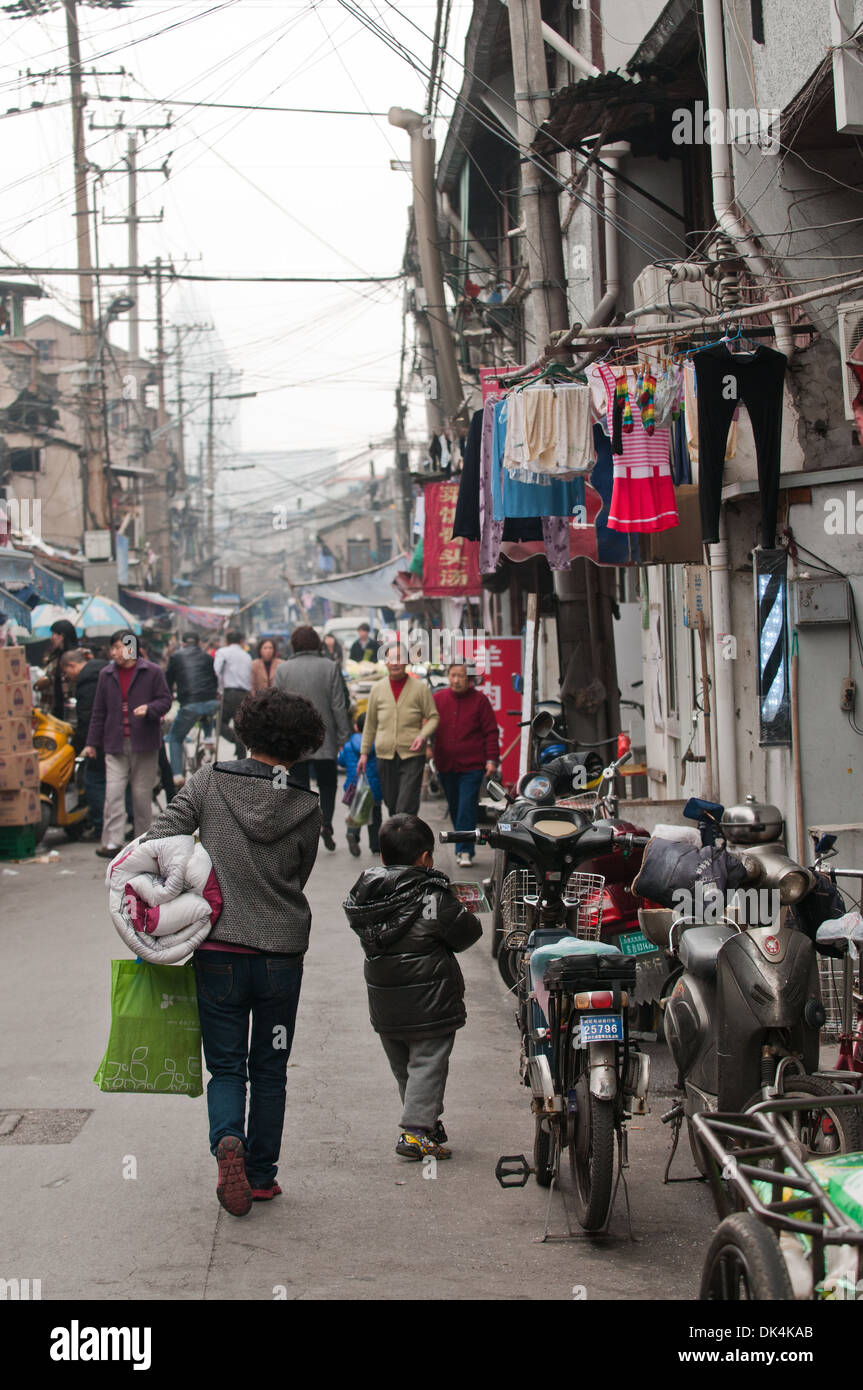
pixel 101 578
pixel 826 599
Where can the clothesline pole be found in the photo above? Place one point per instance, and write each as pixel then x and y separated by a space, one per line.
pixel 686 326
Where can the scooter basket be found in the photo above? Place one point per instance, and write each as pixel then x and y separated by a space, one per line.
pixel 577 973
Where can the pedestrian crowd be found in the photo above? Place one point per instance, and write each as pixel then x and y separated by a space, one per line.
pixel 290 721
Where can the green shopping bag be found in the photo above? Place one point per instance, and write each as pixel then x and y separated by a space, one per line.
pixel 155 1041
pixel 362 805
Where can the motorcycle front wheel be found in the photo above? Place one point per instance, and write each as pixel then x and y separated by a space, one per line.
pixel 744 1263
pixel 821 1132
pixel 507 966
pixel 591 1158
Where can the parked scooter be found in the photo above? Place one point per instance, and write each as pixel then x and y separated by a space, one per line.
pixel 61 777
pixel 577 1056
pixel 572 780
pixel 743 1019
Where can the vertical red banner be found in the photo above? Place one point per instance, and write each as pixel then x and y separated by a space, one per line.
pixel 450 567
pixel 503 661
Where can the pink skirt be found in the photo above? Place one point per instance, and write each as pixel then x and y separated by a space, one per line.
pixel 642 498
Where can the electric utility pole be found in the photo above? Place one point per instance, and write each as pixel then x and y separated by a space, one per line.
pixel 539 194
pixel 133 219
pixel 585 594
pixel 96 505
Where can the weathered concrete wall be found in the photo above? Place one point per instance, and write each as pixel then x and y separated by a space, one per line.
pixel 825 436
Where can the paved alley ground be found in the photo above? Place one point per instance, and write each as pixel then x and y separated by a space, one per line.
pixel 355 1221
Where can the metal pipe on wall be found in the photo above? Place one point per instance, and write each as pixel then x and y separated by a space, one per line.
pixel 727 213
pixel 723 666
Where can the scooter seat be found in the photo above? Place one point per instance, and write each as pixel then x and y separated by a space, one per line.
pixel 567 946
pixel 700 946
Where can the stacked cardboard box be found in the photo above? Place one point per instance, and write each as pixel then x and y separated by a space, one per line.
pixel 19 764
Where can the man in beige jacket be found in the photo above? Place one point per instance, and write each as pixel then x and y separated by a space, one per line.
pixel 400 719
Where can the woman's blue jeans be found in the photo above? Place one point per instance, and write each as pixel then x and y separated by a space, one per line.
pixel 230 987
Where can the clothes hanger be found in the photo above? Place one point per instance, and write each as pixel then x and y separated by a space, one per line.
pixel 740 336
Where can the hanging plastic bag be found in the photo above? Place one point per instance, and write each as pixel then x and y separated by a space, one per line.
pixel 155 1039
pixel 362 804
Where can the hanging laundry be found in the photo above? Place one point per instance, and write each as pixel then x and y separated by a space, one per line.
pixel 548 432
pixel 540 440
pixel 612 547
pixel 467 507
pixel 642 495
pixel 681 468
pixel 668 398
pixel 725 380
pixel 691 417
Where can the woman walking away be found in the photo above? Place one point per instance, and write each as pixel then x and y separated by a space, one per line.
pixel 264 666
pixel 261 831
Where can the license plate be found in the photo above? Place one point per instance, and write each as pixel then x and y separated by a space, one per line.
pixel 635 943
pixel 601 1028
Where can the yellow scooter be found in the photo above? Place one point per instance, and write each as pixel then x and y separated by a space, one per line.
pixel 61 776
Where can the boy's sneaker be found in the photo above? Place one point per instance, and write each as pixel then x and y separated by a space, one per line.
pixel 464 861
pixel 233 1190
pixel 266 1194
pixel 419 1146
pixel 438 1134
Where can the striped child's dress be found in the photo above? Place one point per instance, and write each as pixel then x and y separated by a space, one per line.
pixel 642 497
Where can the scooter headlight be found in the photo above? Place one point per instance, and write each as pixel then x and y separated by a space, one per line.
pixel 792 887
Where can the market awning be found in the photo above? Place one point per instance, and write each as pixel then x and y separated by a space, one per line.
pixel 24 579
pixel 14 609
pixel 366 588
pixel 148 599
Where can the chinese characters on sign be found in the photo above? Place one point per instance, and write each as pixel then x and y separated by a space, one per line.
pixel 450 567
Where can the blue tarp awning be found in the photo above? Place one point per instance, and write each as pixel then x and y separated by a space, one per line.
pixel 20 572
pixel 14 609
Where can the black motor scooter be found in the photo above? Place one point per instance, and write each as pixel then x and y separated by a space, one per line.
pixel 584 1070
pixel 743 1020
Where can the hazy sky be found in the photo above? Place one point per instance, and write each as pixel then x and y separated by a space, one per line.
pixel 250 192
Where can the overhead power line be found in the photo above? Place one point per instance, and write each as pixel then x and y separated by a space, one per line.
pixel 146 273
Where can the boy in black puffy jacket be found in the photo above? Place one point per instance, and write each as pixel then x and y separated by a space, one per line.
pixel 410 925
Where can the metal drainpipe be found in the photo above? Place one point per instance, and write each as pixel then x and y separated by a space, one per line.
pixel 425 217
pixel 727 213
pixel 611 155
pixel 723 668
pixel 566 50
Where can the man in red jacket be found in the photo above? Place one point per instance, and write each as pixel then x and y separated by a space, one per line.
pixel 466 745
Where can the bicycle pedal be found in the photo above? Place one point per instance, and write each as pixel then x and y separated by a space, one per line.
pixel 513 1170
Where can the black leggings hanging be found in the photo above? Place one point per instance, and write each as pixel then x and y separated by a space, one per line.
pixel 724 380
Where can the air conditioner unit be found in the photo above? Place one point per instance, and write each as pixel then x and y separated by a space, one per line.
pixel 651 287
pixel 850 324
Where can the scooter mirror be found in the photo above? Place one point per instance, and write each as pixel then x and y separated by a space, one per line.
pixel 495 790
pixel 542 723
